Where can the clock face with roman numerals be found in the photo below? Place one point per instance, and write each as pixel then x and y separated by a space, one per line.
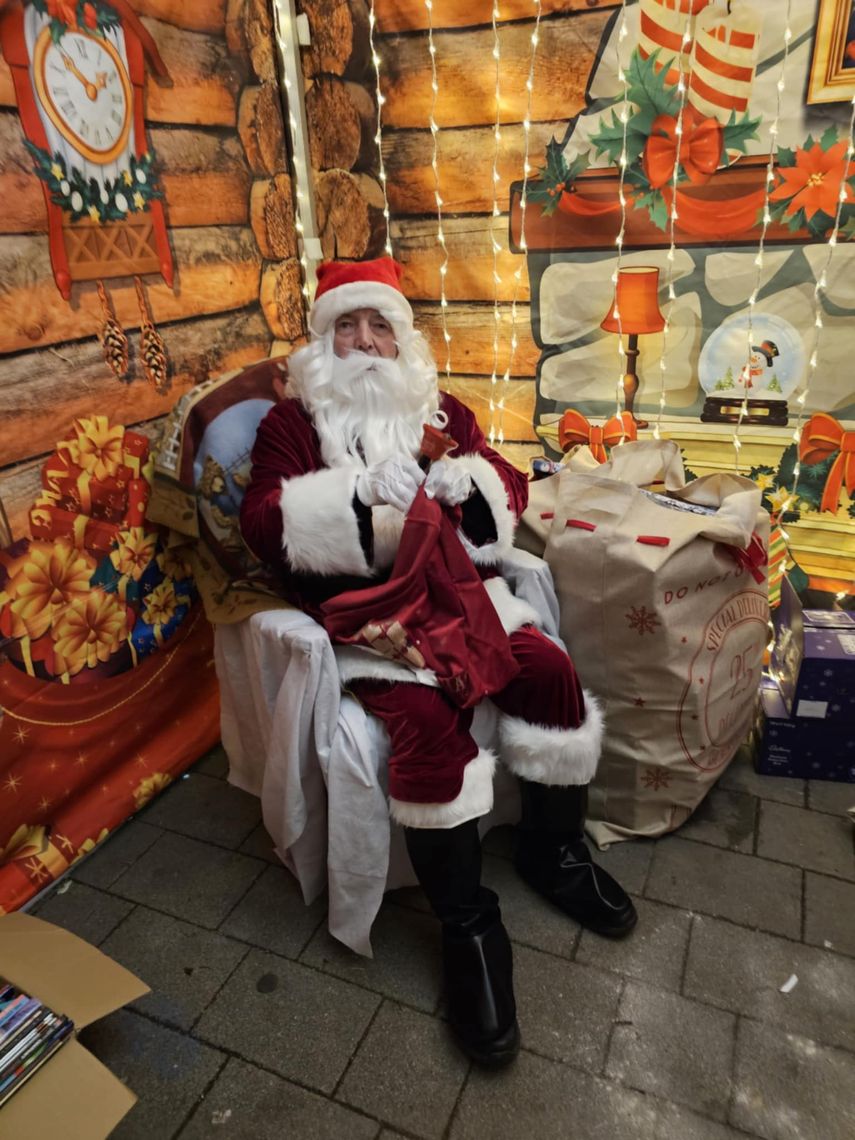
pixel 84 87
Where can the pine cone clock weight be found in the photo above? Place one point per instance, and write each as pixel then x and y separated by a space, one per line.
pixel 114 341
pixel 152 348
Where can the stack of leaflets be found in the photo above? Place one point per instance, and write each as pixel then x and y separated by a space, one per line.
pixel 29 1034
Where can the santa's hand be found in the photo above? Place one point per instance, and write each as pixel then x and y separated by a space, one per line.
pixel 448 483
pixel 394 481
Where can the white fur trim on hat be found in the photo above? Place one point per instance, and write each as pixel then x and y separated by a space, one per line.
pixel 320 531
pixel 388 301
pixel 489 482
pixel 559 756
pixel 474 799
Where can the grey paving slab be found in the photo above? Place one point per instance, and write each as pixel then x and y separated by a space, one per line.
pixel 184 965
pixel 545 1100
pixel 246 1103
pixel 214 763
pixel 673 1048
pixel 789 1088
pixel 830 796
pixel 118 852
pixel 830 912
pixel 654 952
pixel 407 962
pixel 407 1072
pixel 207 808
pixel 743 888
pixel 167 1070
pixel 296 1021
pixel 84 911
pixel 741 777
pixel 192 880
pixel 743 970
pixel 529 918
pixel 272 914
pixel 565 1010
pixel 674 1122
pixel 725 818
pixel 259 844
pixel 810 839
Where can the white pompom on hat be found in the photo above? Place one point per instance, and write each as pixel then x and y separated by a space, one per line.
pixel 344 286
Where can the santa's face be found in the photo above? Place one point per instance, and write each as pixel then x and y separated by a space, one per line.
pixel 364 330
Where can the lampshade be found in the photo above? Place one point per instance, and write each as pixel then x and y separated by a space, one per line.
pixel 637 298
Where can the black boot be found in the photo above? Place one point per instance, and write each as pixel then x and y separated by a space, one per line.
pixel 552 858
pixel 476 949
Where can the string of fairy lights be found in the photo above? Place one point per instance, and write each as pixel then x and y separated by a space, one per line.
pixel 495 212
pixel 774 127
pixel 440 232
pixel 378 137
pixel 621 235
pixel 673 217
pixel 514 340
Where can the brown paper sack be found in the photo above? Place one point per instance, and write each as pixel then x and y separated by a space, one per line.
pixel 665 613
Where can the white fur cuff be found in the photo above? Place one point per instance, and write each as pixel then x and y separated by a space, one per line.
pixel 513 612
pixel 559 756
pixel 475 799
pixel 320 531
pixel 489 482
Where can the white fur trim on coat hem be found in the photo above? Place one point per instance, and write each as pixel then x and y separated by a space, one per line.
pixel 489 482
pixel 320 530
pixel 513 612
pixel 474 799
pixel 560 756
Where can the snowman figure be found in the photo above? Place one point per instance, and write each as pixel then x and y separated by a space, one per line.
pixel 758 373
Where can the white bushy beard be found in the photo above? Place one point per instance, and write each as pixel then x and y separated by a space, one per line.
pixel 365 408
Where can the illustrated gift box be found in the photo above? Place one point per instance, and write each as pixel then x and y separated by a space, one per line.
pixel 813 661
pixel 798 746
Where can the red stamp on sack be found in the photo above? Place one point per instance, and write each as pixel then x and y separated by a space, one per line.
pixel 717 703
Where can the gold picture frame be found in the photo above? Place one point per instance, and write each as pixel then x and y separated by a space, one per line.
pixel 832 68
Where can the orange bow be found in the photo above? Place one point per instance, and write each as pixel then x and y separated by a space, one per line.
pixel 700 149
pixel 574 428
pixel 822 436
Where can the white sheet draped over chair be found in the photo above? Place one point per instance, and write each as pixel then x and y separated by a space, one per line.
pixel 318 762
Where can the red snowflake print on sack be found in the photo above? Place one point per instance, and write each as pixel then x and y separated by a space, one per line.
pixel 642 620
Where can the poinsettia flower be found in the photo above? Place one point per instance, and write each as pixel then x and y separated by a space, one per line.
pixel 90 16
pixel 99 447
pixel 764 481
pixel 135 550
pixel 780 500
pixel 89 630
pixel 44 581
pixel 813 184
pixel 160 604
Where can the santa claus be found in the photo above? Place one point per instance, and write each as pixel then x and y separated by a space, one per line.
pixel 334 473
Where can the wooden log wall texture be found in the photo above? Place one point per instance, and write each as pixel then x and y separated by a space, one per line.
pixel 465 111
pixel 228 205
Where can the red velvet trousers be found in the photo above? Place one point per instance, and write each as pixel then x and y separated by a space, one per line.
pixel 431 741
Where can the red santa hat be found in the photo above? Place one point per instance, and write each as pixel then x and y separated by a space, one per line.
pixel 347 285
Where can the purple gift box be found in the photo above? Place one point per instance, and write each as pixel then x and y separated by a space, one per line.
pixel 813 661
pixel 806 748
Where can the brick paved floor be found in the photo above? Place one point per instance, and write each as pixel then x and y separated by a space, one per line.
pixel 260 1025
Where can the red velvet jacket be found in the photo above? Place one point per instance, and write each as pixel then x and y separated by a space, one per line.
pixel 304 517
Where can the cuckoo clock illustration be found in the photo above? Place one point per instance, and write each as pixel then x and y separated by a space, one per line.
pixel 78 68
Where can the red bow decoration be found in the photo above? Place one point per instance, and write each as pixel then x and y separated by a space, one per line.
pixel 822 436
pixel 574 428
pixel 700 149
pixel 754 559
